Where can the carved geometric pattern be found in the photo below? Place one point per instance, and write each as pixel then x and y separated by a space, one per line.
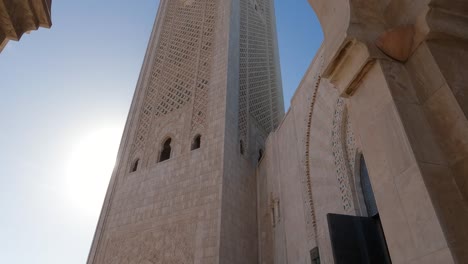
pixel 173 244
pixel 204 66
pixel 182 63
pixel 351 147
pixel 259 96
pixel 340 149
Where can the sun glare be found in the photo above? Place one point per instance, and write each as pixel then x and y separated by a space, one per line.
pixel 90 167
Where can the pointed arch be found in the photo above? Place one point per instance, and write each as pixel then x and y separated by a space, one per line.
pixel 166 150
pixel 135 165
pixel 260 155
pixel 196 142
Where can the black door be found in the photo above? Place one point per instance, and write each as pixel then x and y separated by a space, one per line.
pixel 358 239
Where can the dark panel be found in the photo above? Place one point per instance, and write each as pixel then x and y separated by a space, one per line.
pixel 367 191
pixel 315 256
pixel 357 240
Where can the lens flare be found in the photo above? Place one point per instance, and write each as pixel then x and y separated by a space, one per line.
pixel 89 168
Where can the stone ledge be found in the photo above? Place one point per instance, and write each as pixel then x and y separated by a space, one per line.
pixel 22 16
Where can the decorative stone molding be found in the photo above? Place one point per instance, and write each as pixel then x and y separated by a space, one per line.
pixel 308 168
pixel 349 66
pixel 356 35
pixel 22 16
pixel 343 144
pixel 184 82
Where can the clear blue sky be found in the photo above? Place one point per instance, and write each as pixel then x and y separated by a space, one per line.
pixel 65 94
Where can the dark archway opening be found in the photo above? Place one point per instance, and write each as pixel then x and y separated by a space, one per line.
pixel 241 143
pixel 166 150
pixel 135 165
pixel 196 143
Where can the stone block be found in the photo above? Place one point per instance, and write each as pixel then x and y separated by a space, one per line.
pixel 425 75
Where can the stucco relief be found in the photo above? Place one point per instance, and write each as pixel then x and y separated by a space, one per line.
pixel 180 72
pixel 352 147
pixel 170 244
pixel 344 149
pixel 260 92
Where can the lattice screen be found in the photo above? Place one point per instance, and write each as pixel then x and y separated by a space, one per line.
pixel 180 72
pixel 259 87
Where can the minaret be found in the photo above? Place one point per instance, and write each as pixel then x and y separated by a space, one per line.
pixel 184 187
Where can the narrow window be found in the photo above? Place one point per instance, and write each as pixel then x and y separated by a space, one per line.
pixel 277 209
pixel 315 256
pixel 260 155
pixel 275 213
pixel 135 165
pixel 166 151
pixel 273 216
pixel 196 143
pixel 241 147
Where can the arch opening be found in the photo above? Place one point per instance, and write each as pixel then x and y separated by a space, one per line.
pixel 260 154
pixel 134 166
pixel 196 143
pixel 166 150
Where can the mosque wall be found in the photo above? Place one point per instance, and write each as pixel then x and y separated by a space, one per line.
pixel 386 87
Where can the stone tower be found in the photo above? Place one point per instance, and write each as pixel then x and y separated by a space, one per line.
pixel 184 187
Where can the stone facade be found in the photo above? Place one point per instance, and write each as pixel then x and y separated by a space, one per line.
pixel 21 16
pixel 387 85
pixel 171 202
pixel 377 130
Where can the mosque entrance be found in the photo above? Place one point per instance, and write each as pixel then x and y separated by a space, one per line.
pixel 359 239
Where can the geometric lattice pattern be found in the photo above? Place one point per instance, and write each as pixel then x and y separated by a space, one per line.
pixel 204 65
pixel 180 70
pixel 342 148
pixel 260 94
pixel 351 145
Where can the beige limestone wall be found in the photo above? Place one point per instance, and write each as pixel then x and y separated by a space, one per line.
pixel 170 212
pixel 279 180
pixel 407 213
pixel 412 229
pixel 282 175
pixel 238 233
pixel 408 119
pixel 271 233
pixel 409 115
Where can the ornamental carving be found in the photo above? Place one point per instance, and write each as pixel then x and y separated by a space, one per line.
pixel 343 149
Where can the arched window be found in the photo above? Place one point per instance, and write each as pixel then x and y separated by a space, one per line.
pixel 166 150
pixel 196 143
pixel 241 143
pixel 135 165
pixel 260 155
